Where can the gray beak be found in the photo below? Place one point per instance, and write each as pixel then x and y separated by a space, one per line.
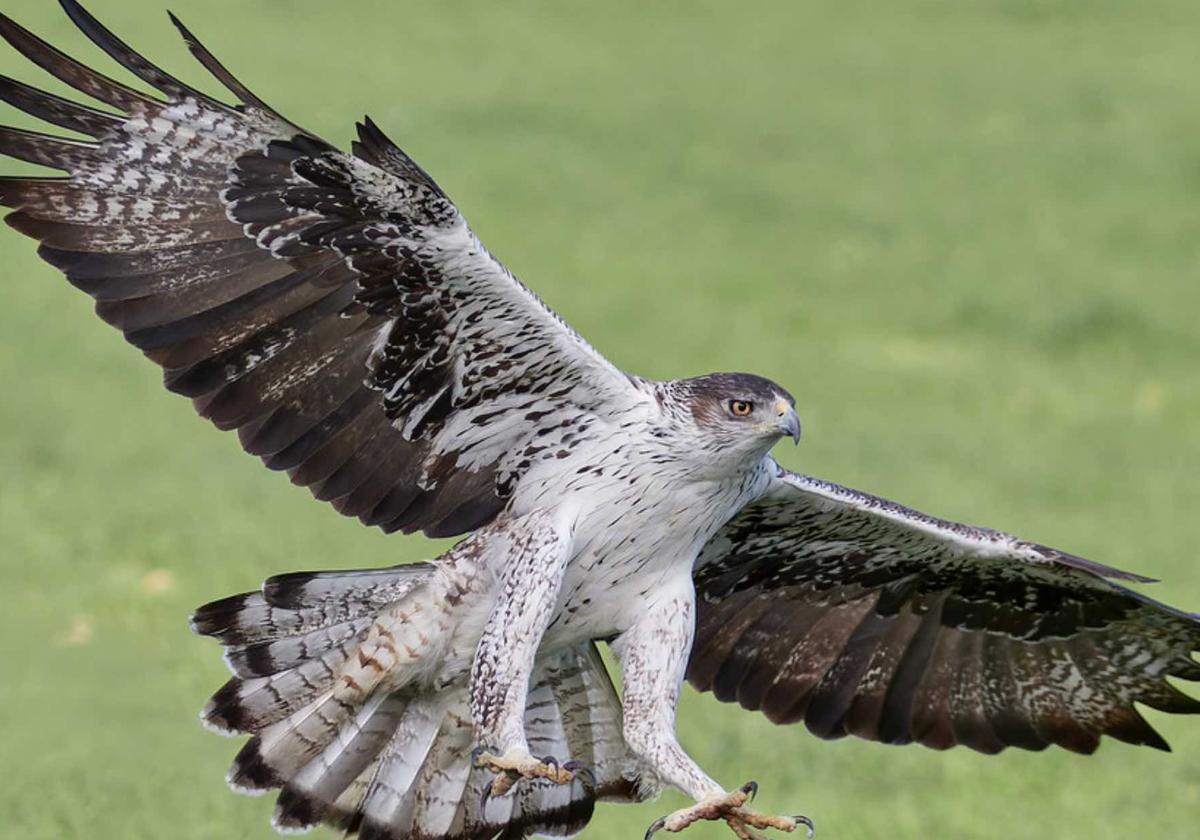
pixel 789 424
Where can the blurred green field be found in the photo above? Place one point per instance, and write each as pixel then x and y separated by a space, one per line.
pixel 965 234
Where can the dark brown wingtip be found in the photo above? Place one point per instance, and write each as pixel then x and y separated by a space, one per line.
pixel 55 110
pixel 66 69
pixel 129 58
pixel 1128 725
pixel 1100 569
pixel 218 70
pixel 376 147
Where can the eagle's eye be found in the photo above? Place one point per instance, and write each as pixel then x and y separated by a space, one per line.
pixel 741 408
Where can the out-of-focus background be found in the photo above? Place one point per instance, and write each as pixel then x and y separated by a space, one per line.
pixel 966 235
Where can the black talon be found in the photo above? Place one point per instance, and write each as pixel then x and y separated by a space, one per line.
pixel 475 753
pixel 750 789
pixel 584 773
pixel 809 828
pixel 654 827
pixel 551 761
pixel 487 794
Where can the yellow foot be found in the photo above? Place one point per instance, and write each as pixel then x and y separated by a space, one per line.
pixel 518 764
pixel 731 808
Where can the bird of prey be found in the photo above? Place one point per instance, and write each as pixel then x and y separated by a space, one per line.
pixel 336 310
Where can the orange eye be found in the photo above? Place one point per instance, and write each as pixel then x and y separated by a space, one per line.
pixel 740 408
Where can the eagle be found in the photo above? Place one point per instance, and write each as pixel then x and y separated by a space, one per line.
pixel 335 309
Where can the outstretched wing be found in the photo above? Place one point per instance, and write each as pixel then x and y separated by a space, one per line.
pixel 333 308
pixel 859 616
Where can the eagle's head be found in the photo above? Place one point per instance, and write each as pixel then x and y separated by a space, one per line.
pixel 739 415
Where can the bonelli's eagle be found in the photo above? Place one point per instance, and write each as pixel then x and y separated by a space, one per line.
pixel 335 309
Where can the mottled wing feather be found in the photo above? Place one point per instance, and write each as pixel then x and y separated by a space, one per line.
pixel 859 616
pixel 333 308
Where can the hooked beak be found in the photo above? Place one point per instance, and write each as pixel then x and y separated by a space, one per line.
pixel 788 423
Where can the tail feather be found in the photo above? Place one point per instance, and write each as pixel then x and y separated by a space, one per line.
pixel 271 657
pixel 389 759
pixel 248 705
pixel 247 619
pixel 591 712
pixel 286 657
pixel 282 749
pixel 313 794
pixel 547 735
pixel 445 800
pixel 300 617
pixel 249 775
pixel 346 812
pixel 444 777
pixel 369 587
pixel 389 801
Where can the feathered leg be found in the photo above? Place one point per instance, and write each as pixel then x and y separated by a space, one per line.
pixel 653 657
pixel 529 578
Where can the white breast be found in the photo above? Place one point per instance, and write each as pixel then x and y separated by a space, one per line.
pixel 641 522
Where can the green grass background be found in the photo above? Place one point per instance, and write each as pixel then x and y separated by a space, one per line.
pixel 966 235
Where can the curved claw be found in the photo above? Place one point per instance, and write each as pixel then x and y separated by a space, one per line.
pixel 654 827
pixel 475 753
pixel 551 761
pixel 584 773
pixel 809 828
pixel 731 807
pixel 502 781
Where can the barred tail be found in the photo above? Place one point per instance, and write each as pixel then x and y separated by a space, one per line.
pixel 392 762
